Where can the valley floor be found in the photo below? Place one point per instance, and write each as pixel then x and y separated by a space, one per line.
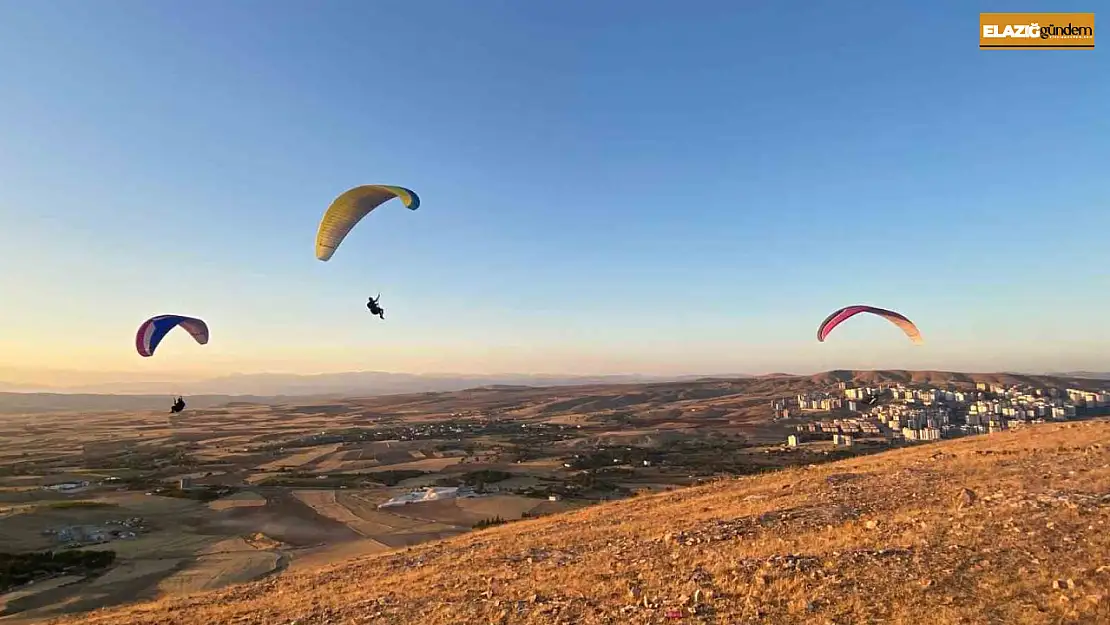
pixel 1007 528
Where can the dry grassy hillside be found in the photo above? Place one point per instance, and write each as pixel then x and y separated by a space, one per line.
pixel 1006 528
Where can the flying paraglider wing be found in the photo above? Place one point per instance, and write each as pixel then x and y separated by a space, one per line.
pixel 350 207
pixel 845 313
pixel 153 330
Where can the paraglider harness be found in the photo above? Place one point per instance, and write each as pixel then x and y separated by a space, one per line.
pixel 178 405
pixel 374 308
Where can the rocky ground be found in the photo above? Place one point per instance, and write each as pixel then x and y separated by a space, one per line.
pixel 1007 528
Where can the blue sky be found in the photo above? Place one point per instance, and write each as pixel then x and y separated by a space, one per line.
pixel 606 187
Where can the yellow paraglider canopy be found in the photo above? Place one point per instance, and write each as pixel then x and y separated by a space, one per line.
pixel 352 206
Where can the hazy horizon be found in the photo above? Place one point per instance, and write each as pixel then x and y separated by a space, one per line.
pixel 603 190
pixel 13 379
pixel 519 366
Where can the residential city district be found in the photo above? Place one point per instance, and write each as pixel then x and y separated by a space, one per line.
pixel 897 412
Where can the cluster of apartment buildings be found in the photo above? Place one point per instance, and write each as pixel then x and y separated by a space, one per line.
pixel 924 414
pixel 862 426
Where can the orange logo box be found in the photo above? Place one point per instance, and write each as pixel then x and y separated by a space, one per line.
pixel 1036 31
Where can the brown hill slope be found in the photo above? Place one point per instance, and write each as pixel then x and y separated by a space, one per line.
pixel 941 378
pixel 1007 528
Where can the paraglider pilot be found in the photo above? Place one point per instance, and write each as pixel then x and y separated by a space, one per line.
pixel 178 405
pixel 375 309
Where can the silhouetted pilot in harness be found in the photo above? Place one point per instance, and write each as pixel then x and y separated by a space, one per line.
pixel 178 405
pixel 374 308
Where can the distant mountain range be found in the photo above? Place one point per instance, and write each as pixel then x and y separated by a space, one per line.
pixel 369 383
pixel 346 384
pixel 1092 375
pixel 271 388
